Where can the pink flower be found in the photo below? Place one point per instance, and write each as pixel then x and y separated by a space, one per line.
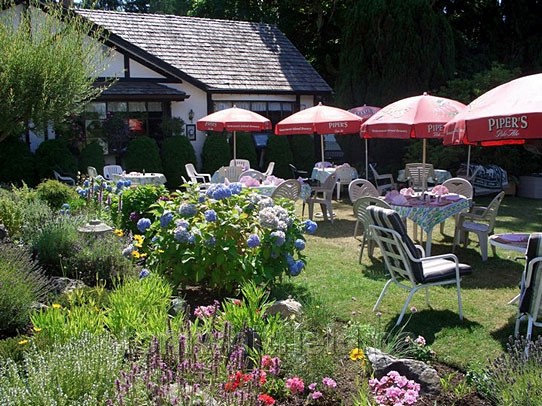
pixel 295 385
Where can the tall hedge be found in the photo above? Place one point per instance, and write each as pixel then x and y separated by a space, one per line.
pixel 176 152
pixel 278 150
pixel 55 155
pixel 18 163
pixel 91 155
pixel 302 147
pixel 215 152
pixel 246 149
pixel 143 154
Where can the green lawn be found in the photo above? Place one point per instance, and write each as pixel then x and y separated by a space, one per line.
pixel 334 276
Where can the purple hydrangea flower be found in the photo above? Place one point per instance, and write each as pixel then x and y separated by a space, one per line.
pixel 143 224
pixel 253 240
pixel 210 215
pixel 166 218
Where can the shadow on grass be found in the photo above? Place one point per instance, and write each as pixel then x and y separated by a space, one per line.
pixel 428 323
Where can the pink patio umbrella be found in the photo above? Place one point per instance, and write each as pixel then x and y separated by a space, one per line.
pixel 234 119
pixel 320 120
pixel 365 112
pixel 414 117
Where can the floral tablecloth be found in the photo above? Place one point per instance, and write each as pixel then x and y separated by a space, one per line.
pixel 428 215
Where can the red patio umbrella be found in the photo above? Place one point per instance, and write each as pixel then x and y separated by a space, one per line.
pixel 365 112
pixel 320 120
pixel 414 117
pixel 234 119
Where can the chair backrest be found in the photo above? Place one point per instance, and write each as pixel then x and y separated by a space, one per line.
pixel 110 170
pixel 460 186
pixel 361 187
pixel 92 172
pixel 417 172
pixel 243 163
pixel 253 173
pixel 531 296
pixel 398 250
pixel 289 189
pixel 361 213
pixel 230 172
pixel 270 169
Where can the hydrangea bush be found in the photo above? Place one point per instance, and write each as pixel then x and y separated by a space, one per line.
pixel 222 238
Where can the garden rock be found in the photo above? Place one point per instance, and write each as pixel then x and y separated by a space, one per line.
pixel 66 285
pixel 415 370
pixel 285 308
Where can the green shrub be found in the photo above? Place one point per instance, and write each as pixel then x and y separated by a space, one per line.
pixel 91 155
pixel 134 203
pixel 79 372
pixel 246 149
pixel 215 152
pixel 22 283
pixel 98 259
pixel 228 237
pixel 56 193
pixel 18 163
pixel 55 241
pixel 55 155
pixel 176 152
pixel 143 154
pixel 11 213
pixel 303 151
pixel 278 150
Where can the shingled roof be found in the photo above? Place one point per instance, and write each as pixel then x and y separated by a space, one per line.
pixel 218 55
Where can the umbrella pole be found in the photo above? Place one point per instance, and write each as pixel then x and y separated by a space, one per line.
pixel 322 148
pixel 366 159
pixel 424 178
pixel 468 162
pixel 234 148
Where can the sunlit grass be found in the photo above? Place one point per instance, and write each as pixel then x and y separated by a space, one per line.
pixel 350 290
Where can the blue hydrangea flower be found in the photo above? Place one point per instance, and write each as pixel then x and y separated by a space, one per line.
pixel 183 236
pixel 210 215
pixel 144 273
pixel 235 188
pixel 253 240
pixel 299 244
pixel 310 226
pixel 166 218
pixel 279 237
pixel 143 224
pixel 188 210
pixel 218 191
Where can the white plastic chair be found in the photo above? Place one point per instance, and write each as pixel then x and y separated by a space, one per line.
pixel 480 221
pixel 383 182
pixel 110 170
pixel 407 264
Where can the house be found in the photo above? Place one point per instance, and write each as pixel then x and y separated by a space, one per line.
pixel 188 67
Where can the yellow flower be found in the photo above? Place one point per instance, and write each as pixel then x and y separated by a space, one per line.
pixel 37 329
pixel 119 233
pixel 56 306
pixel 357 354
pixel 23 342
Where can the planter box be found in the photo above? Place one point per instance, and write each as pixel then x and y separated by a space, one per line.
pixel 530 186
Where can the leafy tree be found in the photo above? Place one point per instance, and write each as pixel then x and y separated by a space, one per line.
pixel 47 70
pixel 393 49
